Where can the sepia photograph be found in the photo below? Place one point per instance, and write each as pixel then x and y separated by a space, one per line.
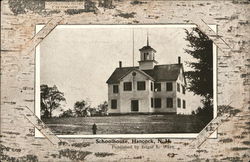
pixel 125 79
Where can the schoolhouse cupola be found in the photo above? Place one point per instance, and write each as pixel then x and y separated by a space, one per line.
pixel 147 57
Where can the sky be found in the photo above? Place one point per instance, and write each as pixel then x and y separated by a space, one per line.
pixel 79 59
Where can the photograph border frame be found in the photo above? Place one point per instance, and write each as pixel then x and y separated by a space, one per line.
pixel 39 27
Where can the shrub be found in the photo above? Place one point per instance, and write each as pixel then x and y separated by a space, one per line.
pixel 67 113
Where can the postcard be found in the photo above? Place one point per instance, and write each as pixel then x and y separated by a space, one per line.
pixel 116 80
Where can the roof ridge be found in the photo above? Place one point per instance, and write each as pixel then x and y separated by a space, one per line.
pixel 164 72
pixel 127 67
pixel 169 64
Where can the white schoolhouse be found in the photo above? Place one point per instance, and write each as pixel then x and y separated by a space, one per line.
pixel 147 88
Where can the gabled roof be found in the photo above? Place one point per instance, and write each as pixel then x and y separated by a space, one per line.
pixel 167 72
pixel 118 73
pixel 138 70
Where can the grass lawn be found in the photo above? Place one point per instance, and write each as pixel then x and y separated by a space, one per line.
pixel 126 124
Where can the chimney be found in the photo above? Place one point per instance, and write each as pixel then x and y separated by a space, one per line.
pixel 120 64
pixel 179 60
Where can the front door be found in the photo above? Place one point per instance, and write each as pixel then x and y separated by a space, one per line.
pixel 134 105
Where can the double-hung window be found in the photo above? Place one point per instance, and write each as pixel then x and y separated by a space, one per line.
pixel 141 85
pixel 178 103
pixel 115 89
pixel 178 87
pixel 113 104
pixel 183 90
pixel 157 102
pixel 183 104
pixel 169 86
pixel 127 86
pixel 157 87
pixel 169 102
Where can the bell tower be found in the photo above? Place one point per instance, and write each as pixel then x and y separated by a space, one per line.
pixel 147 59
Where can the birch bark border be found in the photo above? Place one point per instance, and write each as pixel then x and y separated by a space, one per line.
pixel 52 23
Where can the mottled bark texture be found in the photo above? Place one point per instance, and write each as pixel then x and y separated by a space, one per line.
pixel 18 20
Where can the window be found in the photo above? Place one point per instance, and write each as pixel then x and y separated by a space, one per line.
pixel 152 86
pixel 146 56
pixel 169 102
pixel 183 90
pixel 178 102
pixel 169 86
pixel 152 102
pixel 113 104
pixel 157 87
pixel 178 87
pixel 184 104
pixel 141 85
pixel 157 102
pixel 115 89
pixel 127 86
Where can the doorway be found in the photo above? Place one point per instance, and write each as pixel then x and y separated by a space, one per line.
pixel 135 105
